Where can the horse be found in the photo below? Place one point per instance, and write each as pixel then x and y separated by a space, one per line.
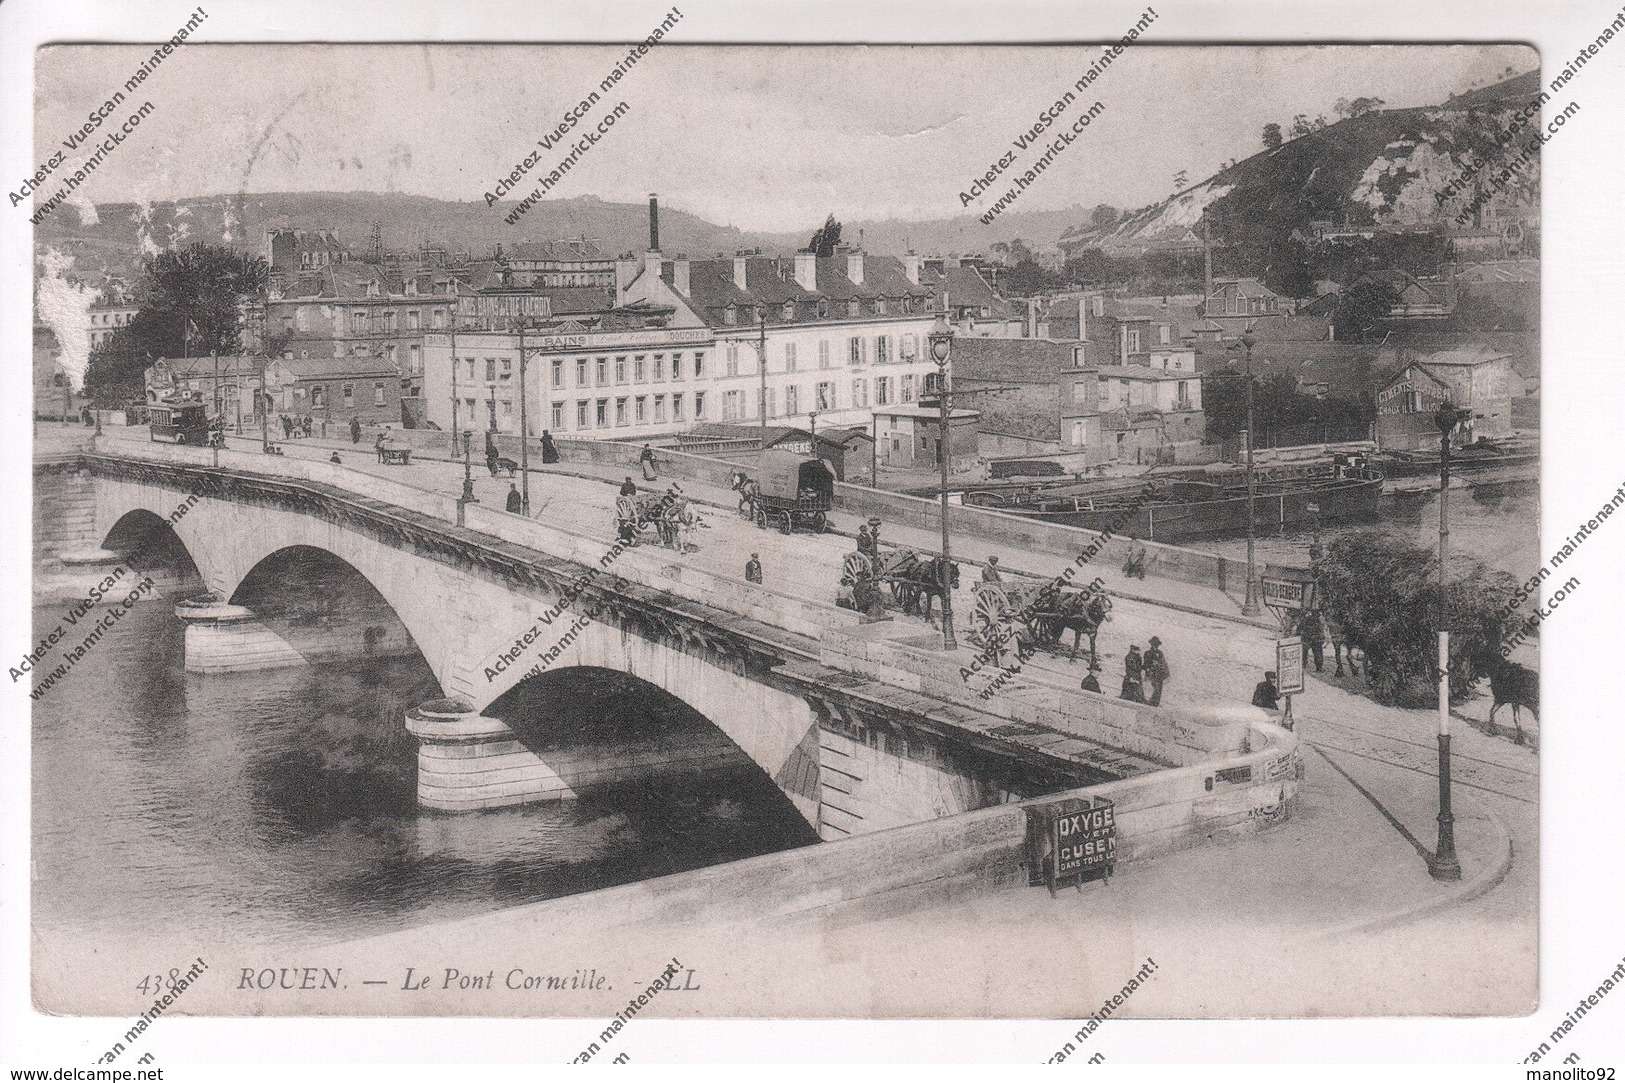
pixel 924 580
pixel 1081 614
pixel 745 485
pixel 1514 684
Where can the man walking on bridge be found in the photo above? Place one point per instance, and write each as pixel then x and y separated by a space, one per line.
pixel 1156 671
pixel 753 570
pixel 990 574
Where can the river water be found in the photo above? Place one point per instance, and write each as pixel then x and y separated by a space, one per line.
pixel 1497 523
pixel 170 808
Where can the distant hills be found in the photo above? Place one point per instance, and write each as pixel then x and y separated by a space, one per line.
pixel 1384 168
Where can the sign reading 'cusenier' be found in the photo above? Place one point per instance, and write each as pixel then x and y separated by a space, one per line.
pixel 1070 841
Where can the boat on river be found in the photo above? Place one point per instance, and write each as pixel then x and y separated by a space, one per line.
pixel 1483 455
pixel 1198 504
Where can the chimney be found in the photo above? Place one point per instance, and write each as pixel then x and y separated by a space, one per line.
pixel 854 265
pixel 911 268
pixel 679 275
pixel 626 269
pixel 807 270
pixel 654 223
pixel 950 263
pixel 739 274
pixel 652 265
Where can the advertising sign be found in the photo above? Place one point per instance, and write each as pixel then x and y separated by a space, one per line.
pixel 1071 841
pixel 1289 664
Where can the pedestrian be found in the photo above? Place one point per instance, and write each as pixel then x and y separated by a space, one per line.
pixel 334 458
pixel 990 574
pixel 550 451
pixel 753 569
pixel 1134 568
pixel 1090 682
pixel 287 426
pixel 1266 695
pixel 1133 675
pixel 516 503
pixel 355 429
pixel 1338 633
pixel 378 446
pixel 647 458
pixel 310 423
pixel 1312 630
pixel 866 543
pixel 628 488
pixel 1156 671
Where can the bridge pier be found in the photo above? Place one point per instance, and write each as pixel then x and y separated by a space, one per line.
pixel 226 638
pixel 468 761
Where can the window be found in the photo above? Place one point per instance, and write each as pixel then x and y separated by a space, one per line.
pixel 860 392
pixel 699 367
pixel 581 372
pixel 825 397
pixel 601 367
pixel 880 306
pixel 507 409
pixel 1163 336
pixel 620 410
pixel 733 361
pixel 789 357
pixel 470 361
pixel 660 367
pixel 507 369
pixel 490 370
pixel 620 369
pixel 469 404
pixel 660 408
pixel 699 406
pixel 730 315
pixel 439 319
pixel 677 407
pixel 318 397
pixel 389 323
pixel 377 394
pixel 730 406
pixel 640 412
pixel 908 347
pixel 823 308
pixel 772 405
pixel 349 396
pixel 358 322
pixel 1082 393
pixel 1133 340
pixel 581 413
pixel 882 390
pixel 854 308
pixel 639 370
pixel 882 350
pixel 412 320
pixel 301 318
pixel 792 404
pixel 415 356
pixel 1184 391
pixel 556 416
pixel 789 311
pixel 854 351
pixel 823 353
pixel 601 414
pixel 558 372
pixel 905 392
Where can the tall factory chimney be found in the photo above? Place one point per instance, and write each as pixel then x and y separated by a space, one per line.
pixel 654 223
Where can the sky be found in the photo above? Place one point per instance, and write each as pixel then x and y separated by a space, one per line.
pixel 760 137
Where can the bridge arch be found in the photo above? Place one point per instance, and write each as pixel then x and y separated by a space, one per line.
pixel 595 726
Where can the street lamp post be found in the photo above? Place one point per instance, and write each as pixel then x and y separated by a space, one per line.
pixel 942 339
pixel 1249 605
pixel 812 420
pixel 1443 865
pixel 524 431
pixel 468 474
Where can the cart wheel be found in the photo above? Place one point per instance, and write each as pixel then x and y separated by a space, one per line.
pixel 988 620
pixel 820 522
pixel 788 524
pixel 761 519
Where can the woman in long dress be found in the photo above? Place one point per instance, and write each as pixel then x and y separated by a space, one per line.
pixel 647 458
pixel 550 451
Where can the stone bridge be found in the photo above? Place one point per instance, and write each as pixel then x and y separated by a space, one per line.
pixel 307 563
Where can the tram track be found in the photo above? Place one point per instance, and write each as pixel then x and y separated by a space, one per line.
pixel 1473 772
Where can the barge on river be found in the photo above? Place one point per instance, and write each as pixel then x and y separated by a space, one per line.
pixel 1199 504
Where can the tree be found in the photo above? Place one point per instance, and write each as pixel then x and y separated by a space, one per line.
pixel 1359 107
pixel 1104 215
pixel 1272 136
pixel 1300 126
pixel 189 306
pixel 1180 180
pixel 826 238
pixel 1384 591
pixel 1360 309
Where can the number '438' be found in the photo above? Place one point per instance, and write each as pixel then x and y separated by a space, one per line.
pixel 154 984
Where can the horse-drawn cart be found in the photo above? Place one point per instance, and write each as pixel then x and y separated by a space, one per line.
pixel 663 513
pixel 1037 614
pixel 793 492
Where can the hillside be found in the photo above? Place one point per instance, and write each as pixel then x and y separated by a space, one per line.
pixel 1385 168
